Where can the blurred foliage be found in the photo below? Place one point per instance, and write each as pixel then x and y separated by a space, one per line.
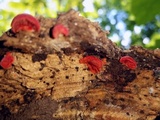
pixel 144 11
pixel 116 16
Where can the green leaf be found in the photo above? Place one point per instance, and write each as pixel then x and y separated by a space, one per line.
pixel 145 10
pixel 154 42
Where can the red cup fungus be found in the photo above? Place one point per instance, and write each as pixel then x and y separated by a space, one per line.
pixel 59 29
pixel 94 64
pixel 7 60
pixel 129 62
pixel 25 22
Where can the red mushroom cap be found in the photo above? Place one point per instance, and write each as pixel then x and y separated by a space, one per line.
pixel 129 62
pixel 94 64
pixel 59 29
pixel 25 22
pixel 7 60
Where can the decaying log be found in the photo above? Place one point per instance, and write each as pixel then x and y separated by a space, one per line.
pixel 47 81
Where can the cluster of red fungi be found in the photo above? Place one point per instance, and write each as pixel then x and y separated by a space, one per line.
pixel 26 22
